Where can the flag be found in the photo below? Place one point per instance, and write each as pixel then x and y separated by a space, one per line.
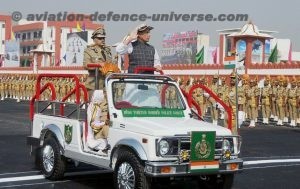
pixel 290 53
pixel 274 54
pixel 78 27
pixel 65 57
pixel 12 37
pixel 83 26
pixel 214 55
pixel 58 61
pixel 200 56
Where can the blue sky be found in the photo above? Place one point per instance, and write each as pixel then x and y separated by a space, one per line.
pixel 281 16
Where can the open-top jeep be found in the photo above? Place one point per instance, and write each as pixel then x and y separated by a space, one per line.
pixel 153 134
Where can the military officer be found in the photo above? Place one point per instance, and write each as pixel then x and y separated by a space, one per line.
pixel 252 98
pixel 274 109
pixel 298 100
pixel 2 87
pixel 292 102
pixel 230 100
pixel 266 101
pixel 281 100
pixel 96 53
pixel 215 89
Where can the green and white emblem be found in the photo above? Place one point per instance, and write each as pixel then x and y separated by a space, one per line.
pixel 203 146
pixel 68 133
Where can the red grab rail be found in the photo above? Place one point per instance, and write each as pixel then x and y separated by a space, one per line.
pixel 214 96
pixel 39 90
pixel 141 68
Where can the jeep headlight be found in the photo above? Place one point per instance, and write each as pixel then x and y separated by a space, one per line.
pixel 164 147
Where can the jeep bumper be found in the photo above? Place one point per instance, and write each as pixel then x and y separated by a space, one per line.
pixel 165 169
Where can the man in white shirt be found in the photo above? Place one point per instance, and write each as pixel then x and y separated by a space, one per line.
pixel 141 54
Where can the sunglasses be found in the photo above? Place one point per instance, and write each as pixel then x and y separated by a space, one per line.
pixel 100 38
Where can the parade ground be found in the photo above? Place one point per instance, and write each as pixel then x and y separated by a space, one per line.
pixel 271 158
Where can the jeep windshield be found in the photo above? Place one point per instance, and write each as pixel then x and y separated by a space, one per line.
pixel 143 94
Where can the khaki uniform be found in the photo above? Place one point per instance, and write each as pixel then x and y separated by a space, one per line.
pixel 266 103
pixel 274 108
pixel 2 89
pixel 230 100
pixel 214 111
pixel 171 97
pixel 100 112
pixel 252 97
pixel 95 54
pixel 292 103
pixel 281 101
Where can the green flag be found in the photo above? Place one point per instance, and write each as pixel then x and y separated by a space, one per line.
pixel 274 54
pixel 200 56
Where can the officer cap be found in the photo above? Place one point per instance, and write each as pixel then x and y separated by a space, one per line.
pixel 100 32
pixel 216 76
pixel 144 27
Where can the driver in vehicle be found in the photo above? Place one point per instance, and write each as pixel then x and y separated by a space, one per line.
pixel 97 116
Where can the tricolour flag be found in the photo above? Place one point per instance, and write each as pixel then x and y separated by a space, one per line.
pixel 290 53
pixel 200 56
pixel 12 37
pixel 78 27
pixel 214 55
pixel 204 166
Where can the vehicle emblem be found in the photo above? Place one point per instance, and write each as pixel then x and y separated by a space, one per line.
pixel 68 133
pixel 203 148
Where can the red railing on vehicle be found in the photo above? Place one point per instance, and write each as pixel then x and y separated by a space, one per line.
pixel 36 96
pixel 141 68
pixel 39 90
pixel 215 97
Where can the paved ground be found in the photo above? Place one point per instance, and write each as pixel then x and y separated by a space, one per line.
pixel 271 155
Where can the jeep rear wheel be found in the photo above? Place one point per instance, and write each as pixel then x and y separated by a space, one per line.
pixel 129 172
pixel 52 163
pixel 224 181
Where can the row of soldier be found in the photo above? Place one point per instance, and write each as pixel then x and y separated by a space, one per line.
pixel 22 87
pixel 278 99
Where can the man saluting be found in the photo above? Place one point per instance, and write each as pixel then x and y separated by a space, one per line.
pixel 140 53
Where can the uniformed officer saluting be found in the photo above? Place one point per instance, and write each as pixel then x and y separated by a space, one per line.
pixel 96 53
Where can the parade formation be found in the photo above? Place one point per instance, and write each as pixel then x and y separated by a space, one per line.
pixel 276 102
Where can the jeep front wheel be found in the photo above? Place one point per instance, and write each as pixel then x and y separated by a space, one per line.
pixel 129 172
pixel 52 163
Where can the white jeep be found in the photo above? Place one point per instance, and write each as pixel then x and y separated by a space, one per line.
pixel 151 136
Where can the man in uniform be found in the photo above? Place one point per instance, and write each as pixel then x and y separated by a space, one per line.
pixel 281 100
pixel 274 109
pixel 215 89
pixel 96 53
pixel 2 87
pixel 292 102
pixel 230 100
pixel 298 101
pixel 252 98
pixel 266 101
